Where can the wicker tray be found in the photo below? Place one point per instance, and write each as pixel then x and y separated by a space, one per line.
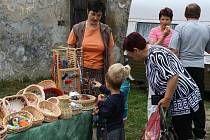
pixel 12 116
pixel 36 89
pixel 32 98
pixel 38 117
pixel 14 103
pixel 47 84
pixel 87 104
pixel 50 111
pixel 3 132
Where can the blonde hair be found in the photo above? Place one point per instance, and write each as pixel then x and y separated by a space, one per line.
pixel 116 74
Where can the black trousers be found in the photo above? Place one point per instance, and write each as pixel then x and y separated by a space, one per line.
pixel 199 118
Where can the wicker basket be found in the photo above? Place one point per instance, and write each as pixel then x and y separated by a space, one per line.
pixel 36 89
pixel 47 84
pixel 87 104
pixel 53 100
pixel 64 102
pixel 50 111
pixel 2 114
pixel 11 116
pixel 52 92
pixel 32 98
pixel 38 117
pixel 14 103
pixel 3 132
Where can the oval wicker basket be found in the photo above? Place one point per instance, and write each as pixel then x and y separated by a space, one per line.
pixel 14 103
pixel 9 117
pixel 50 111
pixel 36 89
pixel 87 104
pixel 47 84
pixel 3 132
pixel 38 117
pixel 32 98
pixel 53 100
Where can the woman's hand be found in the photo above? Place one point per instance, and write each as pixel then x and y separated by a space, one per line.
pixel 167 31
pixel 165 103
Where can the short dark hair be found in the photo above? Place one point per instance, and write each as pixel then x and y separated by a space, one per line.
pixel 192 10
pixel 166 12
pixel 96 6
pixel 134 40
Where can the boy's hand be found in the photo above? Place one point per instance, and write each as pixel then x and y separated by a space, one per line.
pixel 101 97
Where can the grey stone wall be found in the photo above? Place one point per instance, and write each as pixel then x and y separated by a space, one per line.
pixel 28 31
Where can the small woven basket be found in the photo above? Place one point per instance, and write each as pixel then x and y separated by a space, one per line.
pixel 53 100
pixel 32 98
pixel 64 102
pixel 47 84
pixel 87 104
pixel 36 89
pixel 50 111
pixel 14 103
pixel 3 132
pixel 38 117
pixel 9 117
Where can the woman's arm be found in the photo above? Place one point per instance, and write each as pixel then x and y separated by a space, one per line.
pixel 170 89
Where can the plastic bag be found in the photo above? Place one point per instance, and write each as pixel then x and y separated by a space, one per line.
pixel 152 129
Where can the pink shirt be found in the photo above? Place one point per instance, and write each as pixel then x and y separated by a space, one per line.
pixel 156 34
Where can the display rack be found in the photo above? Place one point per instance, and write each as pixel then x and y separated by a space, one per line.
pixel 65 70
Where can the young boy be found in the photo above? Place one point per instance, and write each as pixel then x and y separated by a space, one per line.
pixel 110 110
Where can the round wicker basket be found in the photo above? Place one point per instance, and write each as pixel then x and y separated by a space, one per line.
pixel 47 84
pixel 14 103
pixel 3 132
pixel 87 104
pixel 36 89
pixel 32 98
pixel 53 100
pixel 38 117
pixel 50 111
pixel 9 117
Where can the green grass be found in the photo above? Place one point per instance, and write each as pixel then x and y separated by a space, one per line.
pixel 12 87
pixel 137 114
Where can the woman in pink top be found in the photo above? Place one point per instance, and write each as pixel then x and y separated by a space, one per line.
pixel 161 35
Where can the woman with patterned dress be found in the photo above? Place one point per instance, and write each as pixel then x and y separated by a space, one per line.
pixel 168 78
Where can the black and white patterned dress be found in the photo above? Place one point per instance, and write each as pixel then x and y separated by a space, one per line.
pixel 161 65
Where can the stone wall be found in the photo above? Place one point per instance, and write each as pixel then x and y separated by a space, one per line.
pixel 28 31
pixel 30 28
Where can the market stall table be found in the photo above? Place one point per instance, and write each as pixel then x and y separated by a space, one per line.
pixel 78 127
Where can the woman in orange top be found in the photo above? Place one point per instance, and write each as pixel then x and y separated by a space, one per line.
pixel 96 42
